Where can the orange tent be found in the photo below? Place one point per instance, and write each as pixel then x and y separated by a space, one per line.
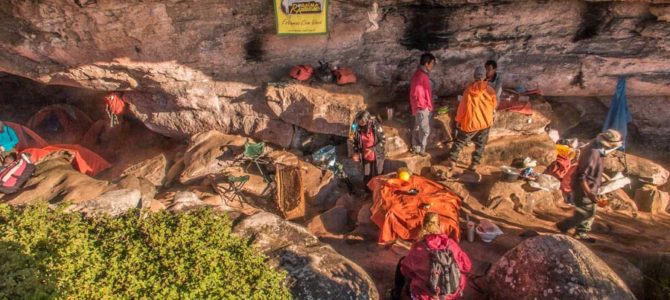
pixel 27 137
pixel 400 215
pixel 60 123
pixel 86 161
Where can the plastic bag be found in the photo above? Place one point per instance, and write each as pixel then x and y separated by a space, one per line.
pixel 545 182
pixel 487 230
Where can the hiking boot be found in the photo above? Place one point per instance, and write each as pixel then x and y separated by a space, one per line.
pixel 583 236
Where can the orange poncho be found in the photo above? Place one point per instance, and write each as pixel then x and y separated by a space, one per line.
pixel 399 215
pixel 475 112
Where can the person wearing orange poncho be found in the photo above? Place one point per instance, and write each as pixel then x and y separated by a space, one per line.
pixel 474 119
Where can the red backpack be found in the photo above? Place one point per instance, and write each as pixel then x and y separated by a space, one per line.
pixel 345 76
pixel 301 72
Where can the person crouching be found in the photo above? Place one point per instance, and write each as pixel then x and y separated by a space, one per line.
pixel 369 145
pixel 435 267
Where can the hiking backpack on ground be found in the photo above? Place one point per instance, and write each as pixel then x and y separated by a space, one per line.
pixel 14 175
pixel 301 72
pixel 344 76
pixel 324 73
pixel 445 275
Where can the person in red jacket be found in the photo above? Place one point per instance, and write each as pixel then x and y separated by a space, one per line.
pixel 415 267
pixel 421 103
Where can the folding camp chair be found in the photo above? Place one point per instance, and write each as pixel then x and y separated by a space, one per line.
pixel 235 185
pixel 253 152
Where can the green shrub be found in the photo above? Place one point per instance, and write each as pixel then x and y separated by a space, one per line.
pixel 47 254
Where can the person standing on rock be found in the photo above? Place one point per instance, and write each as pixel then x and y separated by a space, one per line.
pixel 493 77
pixel 474 119
pixel 368 142
pixel 587 183
pixel 421 103
pixel 8 140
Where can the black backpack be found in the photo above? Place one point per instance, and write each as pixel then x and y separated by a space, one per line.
pixel 445 275
pixel 324 73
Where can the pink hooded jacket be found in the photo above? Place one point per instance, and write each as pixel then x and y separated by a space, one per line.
pixel 420 92
pixel 416 265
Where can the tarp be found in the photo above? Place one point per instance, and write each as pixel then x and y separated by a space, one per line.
pixel 85 161
pixel 27 137
pixel 400 215
pixel 618 116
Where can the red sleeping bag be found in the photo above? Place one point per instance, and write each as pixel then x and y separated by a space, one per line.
pixel 14 175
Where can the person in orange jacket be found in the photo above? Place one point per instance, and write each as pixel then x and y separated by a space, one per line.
pixel 474 119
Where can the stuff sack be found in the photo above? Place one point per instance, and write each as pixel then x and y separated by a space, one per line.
pixel 345 76
pixel 301 72
pixel 324 73
pixel 445 275
pixel 14 175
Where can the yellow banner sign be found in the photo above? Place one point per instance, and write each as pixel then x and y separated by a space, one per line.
pixel 301 16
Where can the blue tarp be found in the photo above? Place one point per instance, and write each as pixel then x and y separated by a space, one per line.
pixel 618 116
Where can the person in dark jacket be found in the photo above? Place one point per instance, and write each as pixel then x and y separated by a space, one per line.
pixel 587 183
pixel 369 148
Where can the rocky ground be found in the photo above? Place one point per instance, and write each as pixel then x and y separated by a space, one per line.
pixel 154 172
pixel 202 78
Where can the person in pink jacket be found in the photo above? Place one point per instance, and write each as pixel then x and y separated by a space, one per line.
pixel 421 103
pixel 415 267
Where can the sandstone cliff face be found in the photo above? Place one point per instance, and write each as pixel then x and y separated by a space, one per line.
pixel 197 65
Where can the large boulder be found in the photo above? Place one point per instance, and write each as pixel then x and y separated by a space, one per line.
pixel 637 166
pixel 503 150
pixel 315 109
pixel 417 164
pixel 554 267
pixel 315 270
pixel 146 188
pixel 112 203
pixel 513 123
pixel 520 197
pixel 209 153
pixel 154 169
pixel 55 180
pixel 332 221
pixel 320 185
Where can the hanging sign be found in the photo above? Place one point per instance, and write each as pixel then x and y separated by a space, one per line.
pixel 301 16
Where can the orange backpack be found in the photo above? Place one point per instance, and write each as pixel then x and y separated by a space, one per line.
pixel 345 76
pixel 301 72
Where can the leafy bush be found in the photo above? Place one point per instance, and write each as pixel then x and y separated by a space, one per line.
pixel 48 254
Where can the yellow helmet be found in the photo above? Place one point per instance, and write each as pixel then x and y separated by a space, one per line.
pixel 404 174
